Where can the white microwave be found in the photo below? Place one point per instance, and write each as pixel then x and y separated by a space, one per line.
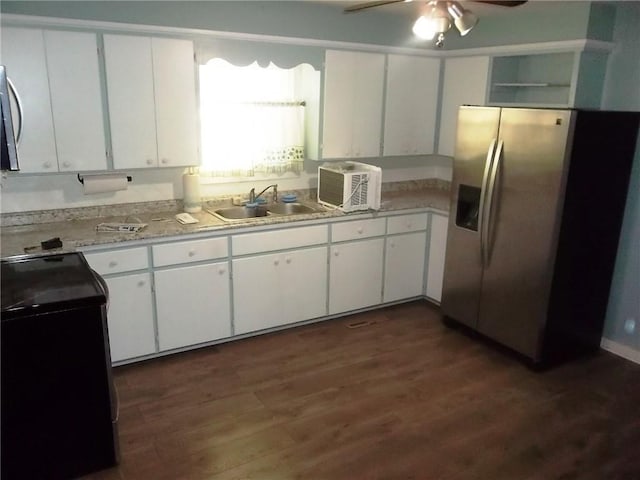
pixel 350 186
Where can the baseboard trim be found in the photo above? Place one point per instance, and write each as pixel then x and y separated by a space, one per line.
pixel 621 350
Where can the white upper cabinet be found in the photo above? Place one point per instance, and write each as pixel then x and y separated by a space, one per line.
pixel 57 78
pixel 152 101
pixel 76 100
pixel 411 105
pixel 353 95
pixel 465 82
pixel 175 95
pixel 129 71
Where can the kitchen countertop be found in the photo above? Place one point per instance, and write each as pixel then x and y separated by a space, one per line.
pixel 81 232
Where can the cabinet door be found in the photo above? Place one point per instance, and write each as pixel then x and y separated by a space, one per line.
pixel 23 53
pixel 368 92
pixel 76 100
pixel 437 248
pixel 355 278
pixel 175 99
pixel 193 305
pixel 353 86
pixel 280 288
pixel 129 71
pixel 404 266
pixel 411 105
pixel 465 83
pixel 130 317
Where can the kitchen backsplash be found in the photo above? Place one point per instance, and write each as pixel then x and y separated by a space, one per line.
pixel 131 209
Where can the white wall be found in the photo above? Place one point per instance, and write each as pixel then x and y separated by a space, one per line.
pixel 622 92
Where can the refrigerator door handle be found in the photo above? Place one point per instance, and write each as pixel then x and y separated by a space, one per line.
pixel 489 203
pixel 483 191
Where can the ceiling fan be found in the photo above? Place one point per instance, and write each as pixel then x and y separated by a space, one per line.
pixel 438 16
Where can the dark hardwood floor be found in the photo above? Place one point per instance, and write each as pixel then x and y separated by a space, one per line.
pixel 400 396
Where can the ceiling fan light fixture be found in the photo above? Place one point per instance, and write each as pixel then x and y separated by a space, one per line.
pixel 424 28
pixel 437 21
pixel 464 20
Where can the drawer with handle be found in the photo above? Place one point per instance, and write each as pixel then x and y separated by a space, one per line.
pixel 117 261
pixel 353 230
pixel 407 223
pixel 191 251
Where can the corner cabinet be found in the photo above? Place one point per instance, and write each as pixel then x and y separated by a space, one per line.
pixel 411 105
pixel 63 124
pixel 406 246
pixel 353 96
pixel 151 125
pixel 465 83
pixel 435 263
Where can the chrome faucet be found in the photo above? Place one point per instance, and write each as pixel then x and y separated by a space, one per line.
pixel 253 197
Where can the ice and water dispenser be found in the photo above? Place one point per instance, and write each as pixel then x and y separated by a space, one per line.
pixel 468 207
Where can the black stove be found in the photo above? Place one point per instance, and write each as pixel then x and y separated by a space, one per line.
pixel 48 282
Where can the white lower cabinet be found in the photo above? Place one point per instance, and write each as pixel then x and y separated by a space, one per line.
pixel 192 304
pixel 279 277
pixel 279 288
pixel 355 279
pixel 404 266
pixel 130 316
pixel 437 248
pixel 130 313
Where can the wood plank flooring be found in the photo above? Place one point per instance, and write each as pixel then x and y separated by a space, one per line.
pixel 400 397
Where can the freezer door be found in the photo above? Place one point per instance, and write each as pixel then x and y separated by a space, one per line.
pixel 475 141
pixel 528 179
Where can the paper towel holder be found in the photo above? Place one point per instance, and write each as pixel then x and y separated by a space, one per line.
pixel 81 179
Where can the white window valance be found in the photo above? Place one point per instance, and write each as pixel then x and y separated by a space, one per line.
pixel 242 53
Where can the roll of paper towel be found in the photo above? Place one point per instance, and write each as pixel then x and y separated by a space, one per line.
pixel 191 189
pixel 104 183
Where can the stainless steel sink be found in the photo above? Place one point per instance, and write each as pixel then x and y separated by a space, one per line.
pixel 239 213
pixel 290 209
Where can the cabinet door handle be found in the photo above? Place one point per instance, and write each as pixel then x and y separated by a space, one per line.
pixel 392 244
pixel 113 263
pixel 221 270
pixel 164 161
pixel 360 230
pixel 149 161
pixel 141 283
pixel 47 165
pixel 409 225
pixel 288 260
pixel 276 262
pixel 192 253
pixel 336 253
pixel 66 164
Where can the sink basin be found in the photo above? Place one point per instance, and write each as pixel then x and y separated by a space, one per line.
pixel 229 214
pixel 239 213
pixel 290 209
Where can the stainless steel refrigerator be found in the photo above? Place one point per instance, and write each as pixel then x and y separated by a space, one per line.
pixel 537 202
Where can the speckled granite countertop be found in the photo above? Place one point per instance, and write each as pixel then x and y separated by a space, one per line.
pixel 81 231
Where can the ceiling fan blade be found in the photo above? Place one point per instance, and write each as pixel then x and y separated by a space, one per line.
pixel 504 3
pixel 376 3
